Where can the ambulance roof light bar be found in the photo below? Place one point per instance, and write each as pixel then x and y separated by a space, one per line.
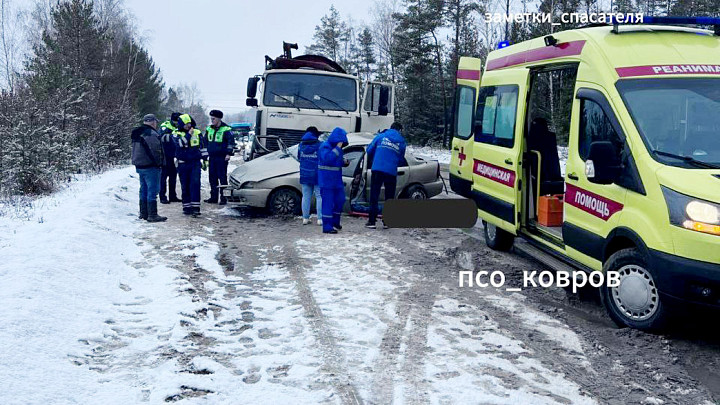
pixel 714 21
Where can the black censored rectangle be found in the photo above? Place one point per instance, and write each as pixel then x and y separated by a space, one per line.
pixel 436 213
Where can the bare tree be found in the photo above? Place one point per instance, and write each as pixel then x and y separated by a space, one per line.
pixel 383 28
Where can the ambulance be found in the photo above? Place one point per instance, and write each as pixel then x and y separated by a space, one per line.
pixel 601 147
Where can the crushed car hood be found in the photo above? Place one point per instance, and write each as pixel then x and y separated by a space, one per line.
pixel 265 167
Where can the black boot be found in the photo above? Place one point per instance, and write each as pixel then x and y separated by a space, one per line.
pixel 143 210
pixel 164 200
pixel 211 200
pixel 173 198
pixel 222 201
pixel 152 212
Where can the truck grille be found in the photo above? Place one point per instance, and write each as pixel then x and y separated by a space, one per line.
pixel 289 136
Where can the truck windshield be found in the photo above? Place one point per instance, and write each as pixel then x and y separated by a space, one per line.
pixel 678 119
pixel 310 91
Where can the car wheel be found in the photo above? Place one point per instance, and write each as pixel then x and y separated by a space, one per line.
pixel 496 238
pixel 416 192
pixel 635 302
pixel 284 202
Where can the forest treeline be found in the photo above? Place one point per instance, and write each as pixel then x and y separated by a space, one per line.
pixel 416 44
pixel 67 107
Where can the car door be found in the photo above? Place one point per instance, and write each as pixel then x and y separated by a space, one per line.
pixel 498 133
pixel 591 210
pixel 468 82
pixel 355 156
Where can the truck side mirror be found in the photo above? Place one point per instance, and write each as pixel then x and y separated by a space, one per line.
pixel 383 108
pixel 603 165
pixel 252 86
pixel 251 102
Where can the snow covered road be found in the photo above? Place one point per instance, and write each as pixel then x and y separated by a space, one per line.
pixel 99 307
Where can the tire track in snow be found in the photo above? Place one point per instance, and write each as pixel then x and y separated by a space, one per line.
pixel 334 360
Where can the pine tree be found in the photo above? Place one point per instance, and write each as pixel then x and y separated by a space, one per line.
pixel 366 53
pixel 329 36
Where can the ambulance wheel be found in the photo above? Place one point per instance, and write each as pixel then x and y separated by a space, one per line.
pixel 635 302
pixel 285 202
pixel 496 238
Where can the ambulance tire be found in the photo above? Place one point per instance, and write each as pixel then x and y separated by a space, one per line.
pixel 496 238
pixel 637 279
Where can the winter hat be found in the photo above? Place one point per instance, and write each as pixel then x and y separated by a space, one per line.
pixel 185 119
pixel 313 131
pixel 216 114
pixel 174 116
pixel 149 118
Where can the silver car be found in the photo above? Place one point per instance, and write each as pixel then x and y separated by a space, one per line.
pixel 273 180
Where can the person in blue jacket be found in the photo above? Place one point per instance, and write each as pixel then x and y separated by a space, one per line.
pixel 332 190
pixel 191 155
pixel 308 156
pixel 386 152
pixel 221 146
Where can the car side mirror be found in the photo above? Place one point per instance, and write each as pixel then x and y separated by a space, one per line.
pixel 252 86
pixel 603 165
pixel 383 108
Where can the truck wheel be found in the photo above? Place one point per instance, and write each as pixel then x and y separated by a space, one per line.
pixel 416 192
pixel 635 302
pixel 496 238
pixel 284 202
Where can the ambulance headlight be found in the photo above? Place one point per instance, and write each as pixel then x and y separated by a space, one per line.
pixel 703 212
pixel 692 213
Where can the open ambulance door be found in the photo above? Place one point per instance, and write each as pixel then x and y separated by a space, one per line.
pixel 378 107
pixel 468 82
pixel 498 135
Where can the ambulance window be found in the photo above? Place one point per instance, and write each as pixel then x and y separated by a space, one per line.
pixel 465 106
pixel 595 126
pixel 495 115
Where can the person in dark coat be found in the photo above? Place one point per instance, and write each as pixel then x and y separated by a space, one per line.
pixel 168 179
pixel 308 156
pixel 386 152
pixel 147 156
pixel 191 155
pixel 330 164
pixel 221 146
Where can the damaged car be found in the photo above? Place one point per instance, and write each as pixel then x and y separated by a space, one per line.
pixel 273 180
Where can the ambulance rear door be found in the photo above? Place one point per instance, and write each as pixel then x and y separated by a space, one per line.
pixel 468 82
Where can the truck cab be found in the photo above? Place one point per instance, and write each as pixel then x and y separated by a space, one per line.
pixel 295 93
pixel 600 147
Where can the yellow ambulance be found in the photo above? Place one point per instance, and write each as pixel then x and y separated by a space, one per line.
pixel 601 147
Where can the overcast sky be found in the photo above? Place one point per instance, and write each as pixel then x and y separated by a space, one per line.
pixel 218 44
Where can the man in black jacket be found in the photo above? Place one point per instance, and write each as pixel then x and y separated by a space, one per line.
pixel 147 156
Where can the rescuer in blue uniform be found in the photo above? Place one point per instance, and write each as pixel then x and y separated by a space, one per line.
pixel 220 146
pixel 308 156
pixel 191 155
pixel 386 152
pixel 330 164
pixel 168 180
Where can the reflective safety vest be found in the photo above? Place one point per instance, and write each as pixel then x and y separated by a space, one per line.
pixel 194 137
pixel 216 136
pixel 168 126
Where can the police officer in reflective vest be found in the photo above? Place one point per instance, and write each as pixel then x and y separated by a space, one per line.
pixel 332 189
pixel 191 155
pixel 220 146
pixel 168 181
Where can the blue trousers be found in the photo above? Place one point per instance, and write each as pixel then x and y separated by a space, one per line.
pixel 333 200
pixel 308 190
pixel 189 173
pixel 217 173
pixel 149 183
